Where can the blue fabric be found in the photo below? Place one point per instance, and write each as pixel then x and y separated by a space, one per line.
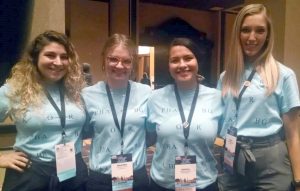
pixel 163 111
pixel 107 139
pixel 260 115
pixel 39 130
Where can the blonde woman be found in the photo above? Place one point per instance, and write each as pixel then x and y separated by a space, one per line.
pixel 261 100
pixel 117 110
pixel 42 96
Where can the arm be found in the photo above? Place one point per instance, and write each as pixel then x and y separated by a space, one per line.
pixel 291 121
pixel 14 160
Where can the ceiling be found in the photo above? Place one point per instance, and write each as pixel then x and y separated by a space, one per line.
pixel 204 5
pixel 199 4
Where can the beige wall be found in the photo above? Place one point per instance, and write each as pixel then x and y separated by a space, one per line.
pixel 47 14
pixel 291 38
pixel 88 32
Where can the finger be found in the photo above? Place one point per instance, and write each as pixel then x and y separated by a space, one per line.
pixel 23 159
pixel 15 167
pixel 21 164
pixel 21 154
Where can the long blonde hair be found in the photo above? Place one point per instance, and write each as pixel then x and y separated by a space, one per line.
pixel 25 84
pixel 265 63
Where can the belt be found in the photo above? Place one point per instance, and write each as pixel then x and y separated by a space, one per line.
pixel 261 142
pixel 245 146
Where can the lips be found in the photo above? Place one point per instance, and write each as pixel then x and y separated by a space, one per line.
pixel 56 70
pixel 183 73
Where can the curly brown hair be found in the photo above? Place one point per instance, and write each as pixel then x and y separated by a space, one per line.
pixel 26 87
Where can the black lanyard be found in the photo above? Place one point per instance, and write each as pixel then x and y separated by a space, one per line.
pixel 237 101
pixel 186 124
pixel 114 113
pixel 61 112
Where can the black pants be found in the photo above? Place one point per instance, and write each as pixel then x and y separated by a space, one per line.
pixel 156 187
pixel 98 181
pixel 42 177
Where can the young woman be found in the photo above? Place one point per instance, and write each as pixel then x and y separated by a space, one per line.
pixel 261 100
pixel 117 109
pixel 42 96
pixel 186 116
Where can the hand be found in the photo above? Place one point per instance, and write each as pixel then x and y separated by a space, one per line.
pixel 14 160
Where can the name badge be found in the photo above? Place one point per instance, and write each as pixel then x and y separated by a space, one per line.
pixel 122 172
pixel 65 161
pixel 230 148
pixel 185 173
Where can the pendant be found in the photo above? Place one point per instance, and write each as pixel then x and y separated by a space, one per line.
pixel 185 124
pixel 247 83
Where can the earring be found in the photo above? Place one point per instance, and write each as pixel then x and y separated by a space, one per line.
pixel 200 78
pixel 103 67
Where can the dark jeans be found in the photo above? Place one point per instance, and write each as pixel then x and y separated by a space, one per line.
pixel 98 181
pixel 41 176
pixel 156 187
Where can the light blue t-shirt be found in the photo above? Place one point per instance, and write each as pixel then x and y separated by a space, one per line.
pixel 163 111
pixel 107 138
pixel 39 130
pixel 260 115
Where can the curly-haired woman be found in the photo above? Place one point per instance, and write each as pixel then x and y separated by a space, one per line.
pixel 42 96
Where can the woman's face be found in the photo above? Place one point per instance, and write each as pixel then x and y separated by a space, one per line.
pixel 53 62
pixel 253 35
pixel 118 65
pixel 183 66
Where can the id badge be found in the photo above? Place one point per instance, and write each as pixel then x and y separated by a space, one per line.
pixel 122 172
pixel 230 148
pixel 65 161
pixel 185 173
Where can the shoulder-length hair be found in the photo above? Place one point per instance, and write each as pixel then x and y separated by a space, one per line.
pixel 265 64
pixel 25 80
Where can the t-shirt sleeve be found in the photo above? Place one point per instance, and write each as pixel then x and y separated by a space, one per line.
pixel 290 93
pixel 4 102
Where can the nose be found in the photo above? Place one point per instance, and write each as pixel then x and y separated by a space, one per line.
pixel 57 61
pixel 182 63
pixel 119 64
pixel 252 35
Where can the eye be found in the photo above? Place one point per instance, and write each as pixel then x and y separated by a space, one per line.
pixel 127 61
pixel 112 59
pixel 245 30
pixel 260 30
pixel 174 60
pixel 50 55
pixel 188 58
pixel 64 57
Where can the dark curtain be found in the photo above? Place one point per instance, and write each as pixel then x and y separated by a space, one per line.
pixel 15 24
